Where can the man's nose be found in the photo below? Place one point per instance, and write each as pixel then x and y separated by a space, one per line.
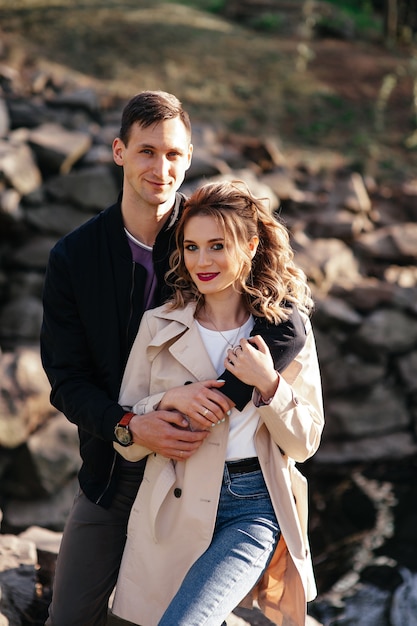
pixel 161 166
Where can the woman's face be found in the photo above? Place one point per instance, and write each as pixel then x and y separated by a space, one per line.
pixel 212 262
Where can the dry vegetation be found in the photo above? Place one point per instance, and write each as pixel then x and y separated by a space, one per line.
pixel 314 94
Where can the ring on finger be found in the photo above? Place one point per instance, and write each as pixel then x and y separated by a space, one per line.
pixel 235 349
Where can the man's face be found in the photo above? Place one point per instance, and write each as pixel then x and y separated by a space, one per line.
pixel 154 162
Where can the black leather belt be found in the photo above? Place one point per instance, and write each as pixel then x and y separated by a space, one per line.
pixel 243 466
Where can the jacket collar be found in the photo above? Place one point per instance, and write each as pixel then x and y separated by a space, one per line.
pixel 114 219
pixel 185 343
pixel 184 316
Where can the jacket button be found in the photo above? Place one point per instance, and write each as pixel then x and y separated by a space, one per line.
pixel 177 492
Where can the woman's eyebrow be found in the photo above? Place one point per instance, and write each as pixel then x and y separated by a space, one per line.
pixel 209 240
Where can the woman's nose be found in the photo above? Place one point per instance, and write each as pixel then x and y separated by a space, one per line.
pixel 204 258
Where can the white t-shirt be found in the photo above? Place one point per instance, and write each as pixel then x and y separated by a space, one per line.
pixel 242 424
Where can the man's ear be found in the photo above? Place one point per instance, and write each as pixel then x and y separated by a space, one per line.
pixel 118 148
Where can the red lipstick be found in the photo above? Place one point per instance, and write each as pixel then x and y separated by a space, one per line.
pixel 207 277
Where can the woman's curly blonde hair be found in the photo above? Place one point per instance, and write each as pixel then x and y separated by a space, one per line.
pixel 268 281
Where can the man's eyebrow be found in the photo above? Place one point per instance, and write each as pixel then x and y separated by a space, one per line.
pixel 170 149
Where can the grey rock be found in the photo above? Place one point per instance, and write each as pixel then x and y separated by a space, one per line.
pixel 404 603
pixel 367 607
pixel 57 148
pixel 25 283
pixel 326 261
pixel 18 166
pixel 18 561
pixel 54 454
pixel 407 365
pixel 77 99
pixel 24 396
pixel 386 331
pixel 368 293
pixel 33 254
pixel 350 193
pixel 20 319
pixel 332 312
pixel 56 219
pixel 26 113
pixel 379 410
pixel 91 189
pixel 340 224
pixel 48 512
pixel 368 449
pixel 397 242
pixel 4 118
pixel 10 203
pixel 349 372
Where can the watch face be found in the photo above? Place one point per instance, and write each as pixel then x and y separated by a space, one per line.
pixel 123 435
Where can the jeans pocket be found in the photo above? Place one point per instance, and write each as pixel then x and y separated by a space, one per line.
pixel 250 485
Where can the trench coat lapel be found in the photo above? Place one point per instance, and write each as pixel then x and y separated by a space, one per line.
pixel 190 352
pixel 187 346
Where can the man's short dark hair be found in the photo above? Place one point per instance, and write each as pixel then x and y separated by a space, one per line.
pixel 151 107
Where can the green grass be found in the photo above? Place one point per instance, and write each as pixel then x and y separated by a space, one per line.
pixel 361 12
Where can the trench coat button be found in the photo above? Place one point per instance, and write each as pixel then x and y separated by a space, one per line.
pixel 177 492
pixel 188 382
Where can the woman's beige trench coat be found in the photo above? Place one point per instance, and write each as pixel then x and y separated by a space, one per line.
pixel 173 517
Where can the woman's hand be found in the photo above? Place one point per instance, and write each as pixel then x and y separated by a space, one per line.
pixel 202 403
pixel 252 363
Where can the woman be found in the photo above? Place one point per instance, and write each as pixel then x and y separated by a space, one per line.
pixel 231 519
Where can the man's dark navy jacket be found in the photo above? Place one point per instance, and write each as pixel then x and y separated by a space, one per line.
pixel 93 304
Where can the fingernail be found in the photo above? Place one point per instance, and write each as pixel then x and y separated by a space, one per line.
pixel 213 425
pixel 229 412
pixel 224 419
pixel 221 380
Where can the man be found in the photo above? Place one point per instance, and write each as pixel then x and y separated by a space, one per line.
pixel 99 281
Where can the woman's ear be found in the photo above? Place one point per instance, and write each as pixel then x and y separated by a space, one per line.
pixel 253 245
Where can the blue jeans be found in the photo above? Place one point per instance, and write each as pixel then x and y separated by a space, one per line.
pixel 244 540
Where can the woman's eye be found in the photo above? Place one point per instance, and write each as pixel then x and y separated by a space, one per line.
pixel 218 246
pixel 191 247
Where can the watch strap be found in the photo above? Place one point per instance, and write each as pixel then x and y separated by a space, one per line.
pixel 126 419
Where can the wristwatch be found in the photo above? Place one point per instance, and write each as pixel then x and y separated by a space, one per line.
pixel 122 431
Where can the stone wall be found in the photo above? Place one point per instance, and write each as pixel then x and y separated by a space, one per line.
pixel 356 239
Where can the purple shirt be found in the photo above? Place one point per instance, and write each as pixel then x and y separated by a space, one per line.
pixel 143 255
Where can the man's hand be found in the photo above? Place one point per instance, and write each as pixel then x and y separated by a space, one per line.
pixel 166 433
